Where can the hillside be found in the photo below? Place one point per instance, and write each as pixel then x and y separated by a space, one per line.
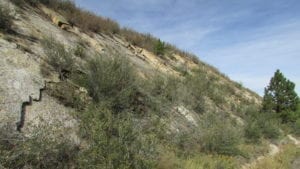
pixel 79 93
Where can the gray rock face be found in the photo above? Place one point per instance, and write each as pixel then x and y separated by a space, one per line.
pixel 21 56
pixel 49 113
pixel 19 79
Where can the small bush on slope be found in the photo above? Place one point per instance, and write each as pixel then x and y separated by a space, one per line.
pixel 296 127
pixel 253 132
pixel 40 150
pixel 260 124
pixel 113 141
pixel 58 57
pixel 111 80
pixel 219 135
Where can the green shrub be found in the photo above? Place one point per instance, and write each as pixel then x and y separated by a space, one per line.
pixel 113 141
pixel 145 41
pixel 253 131
pixel 6 19
pixel 169 91
pixel 266 124
pixel 296 127
pixel 58 57
pixel 198 86
pixel 294 121
pixel 79 51
pixel 111 80
pixel 40 150
pixel 69 95
pixel 270 128
pixel 219 135
pixel 182 69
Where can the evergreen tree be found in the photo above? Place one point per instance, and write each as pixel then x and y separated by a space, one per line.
pixel 280 96
pixel 160 48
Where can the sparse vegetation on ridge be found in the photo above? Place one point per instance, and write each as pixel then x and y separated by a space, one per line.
pixel 127 125
pixel 90 22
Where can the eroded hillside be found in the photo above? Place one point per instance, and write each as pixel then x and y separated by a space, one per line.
pixel 172 89
pixel 22 57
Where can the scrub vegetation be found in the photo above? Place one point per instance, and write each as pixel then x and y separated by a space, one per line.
pixel 112 128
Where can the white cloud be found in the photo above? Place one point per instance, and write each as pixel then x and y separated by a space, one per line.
pixel 254 62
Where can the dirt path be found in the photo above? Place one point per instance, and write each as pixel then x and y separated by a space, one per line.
pixel 274 150
pixel 296 142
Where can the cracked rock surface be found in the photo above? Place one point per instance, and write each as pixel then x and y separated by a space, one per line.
pixel 19 79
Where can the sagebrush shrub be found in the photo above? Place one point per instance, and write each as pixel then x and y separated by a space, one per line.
pixel 253 131
pixel 219 135
pixel 113 139
pixel 111 80
pixel 58 56
pixel 296 127
pixel 40 150
pixel 271 128
pixel 79 51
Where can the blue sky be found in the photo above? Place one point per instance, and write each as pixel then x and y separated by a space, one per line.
pixel 245 39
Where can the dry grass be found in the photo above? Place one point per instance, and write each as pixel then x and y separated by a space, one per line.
pixel 210 162
pixel 252 151
pixel 168 160
pixel 282 160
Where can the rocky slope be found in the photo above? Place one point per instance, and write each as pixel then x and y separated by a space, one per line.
pixel 194 101
pixel 22 57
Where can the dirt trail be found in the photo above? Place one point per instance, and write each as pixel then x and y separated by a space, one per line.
pixel 274 150
pixel 296 142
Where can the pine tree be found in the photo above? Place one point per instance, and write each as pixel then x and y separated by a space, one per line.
pixel 280 96
pixel 160 48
